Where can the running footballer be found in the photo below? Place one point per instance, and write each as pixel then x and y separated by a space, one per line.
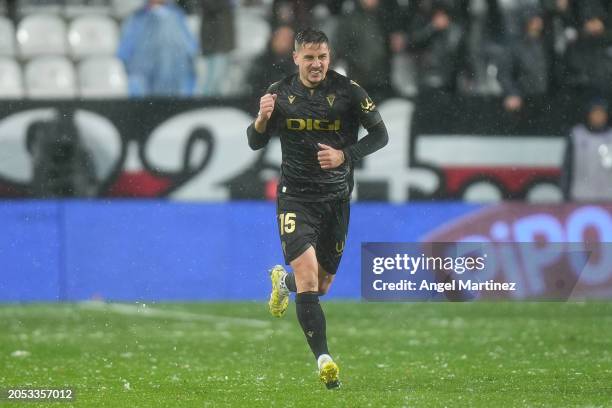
pixel 316 113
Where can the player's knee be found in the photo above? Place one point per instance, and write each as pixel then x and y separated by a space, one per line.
pixel 308 284
pixel 306 280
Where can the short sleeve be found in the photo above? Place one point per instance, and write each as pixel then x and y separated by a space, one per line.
pixel 364 106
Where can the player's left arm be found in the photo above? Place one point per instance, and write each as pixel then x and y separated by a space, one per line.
pixel 370 119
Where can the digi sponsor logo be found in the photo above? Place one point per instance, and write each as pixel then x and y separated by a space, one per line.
pixel 313 124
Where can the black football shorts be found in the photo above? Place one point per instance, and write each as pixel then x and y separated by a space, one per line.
pixel 322 225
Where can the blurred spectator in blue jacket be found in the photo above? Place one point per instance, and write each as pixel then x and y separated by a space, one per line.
pixel 158 51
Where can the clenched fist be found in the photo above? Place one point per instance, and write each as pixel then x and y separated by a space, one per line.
pixel 266 107
pixel 329 158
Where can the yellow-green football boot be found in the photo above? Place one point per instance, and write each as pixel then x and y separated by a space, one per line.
pixel 329 372
pixel 279 297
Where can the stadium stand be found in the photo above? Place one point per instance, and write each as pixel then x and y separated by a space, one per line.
pixel 7 37
pixel 102 77
pixel 41 34
pixel 193 22
pixel 11 80
pixel 252 34
pixel 123 8
pixel 27 7
pixel 75 8
pixel 50 77
pixel 93 35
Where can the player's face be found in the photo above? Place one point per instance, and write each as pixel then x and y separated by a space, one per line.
pixel 312 61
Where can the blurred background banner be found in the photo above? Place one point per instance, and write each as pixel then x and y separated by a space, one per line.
pixel 163 250
pixel 456 148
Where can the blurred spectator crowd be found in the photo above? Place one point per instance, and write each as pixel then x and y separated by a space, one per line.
pixel 226 48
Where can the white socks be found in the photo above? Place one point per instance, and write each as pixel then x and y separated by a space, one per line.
pixel 323 358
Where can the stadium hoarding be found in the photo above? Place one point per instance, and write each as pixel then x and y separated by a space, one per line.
pixel 155 250
pixel 196 149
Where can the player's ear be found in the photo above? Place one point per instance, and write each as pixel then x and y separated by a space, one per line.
pixel 295 57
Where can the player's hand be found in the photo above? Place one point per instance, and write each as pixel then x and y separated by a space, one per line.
pixel 329 158
pixel 266 107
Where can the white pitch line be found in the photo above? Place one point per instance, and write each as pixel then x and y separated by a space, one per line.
pixel 133 310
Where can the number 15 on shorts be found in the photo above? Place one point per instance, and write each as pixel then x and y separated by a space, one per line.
pixel 287 223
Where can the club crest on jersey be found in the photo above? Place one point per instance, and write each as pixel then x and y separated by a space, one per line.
pixel 368 105
pixel 291 99
pixel 330 100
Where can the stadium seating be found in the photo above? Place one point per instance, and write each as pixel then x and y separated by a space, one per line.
pixel 123 8
pixel 93 35
pixel 75 8
pixel 483 192
pixel 193 22
pixel 41 34
pixel 102 77
pixel 544 193
pixel 50 77
pixel 27 7
pixel 252 34
pixel 7 37
pixel 200 70
pixel 403 74
pixel 11 80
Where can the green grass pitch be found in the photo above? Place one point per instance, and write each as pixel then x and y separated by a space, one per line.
pixel 235 355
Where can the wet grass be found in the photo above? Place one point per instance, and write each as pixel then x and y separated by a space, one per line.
pixel 235 355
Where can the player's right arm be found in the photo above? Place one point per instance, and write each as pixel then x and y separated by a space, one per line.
pixel 257 132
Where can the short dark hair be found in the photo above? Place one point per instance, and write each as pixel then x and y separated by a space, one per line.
pixel 310 36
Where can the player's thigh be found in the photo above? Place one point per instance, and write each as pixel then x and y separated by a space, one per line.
pixel 297 228
pixel 332 240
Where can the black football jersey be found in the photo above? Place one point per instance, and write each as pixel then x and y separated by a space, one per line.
pixel 303 117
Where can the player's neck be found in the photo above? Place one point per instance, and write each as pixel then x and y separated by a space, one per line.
pixel 309 84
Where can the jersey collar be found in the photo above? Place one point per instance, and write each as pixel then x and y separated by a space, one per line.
pixel 321 87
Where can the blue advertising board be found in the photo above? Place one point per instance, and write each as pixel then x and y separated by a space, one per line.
pixel 130 250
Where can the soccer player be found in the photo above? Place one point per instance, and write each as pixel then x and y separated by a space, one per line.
pixel 316 113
